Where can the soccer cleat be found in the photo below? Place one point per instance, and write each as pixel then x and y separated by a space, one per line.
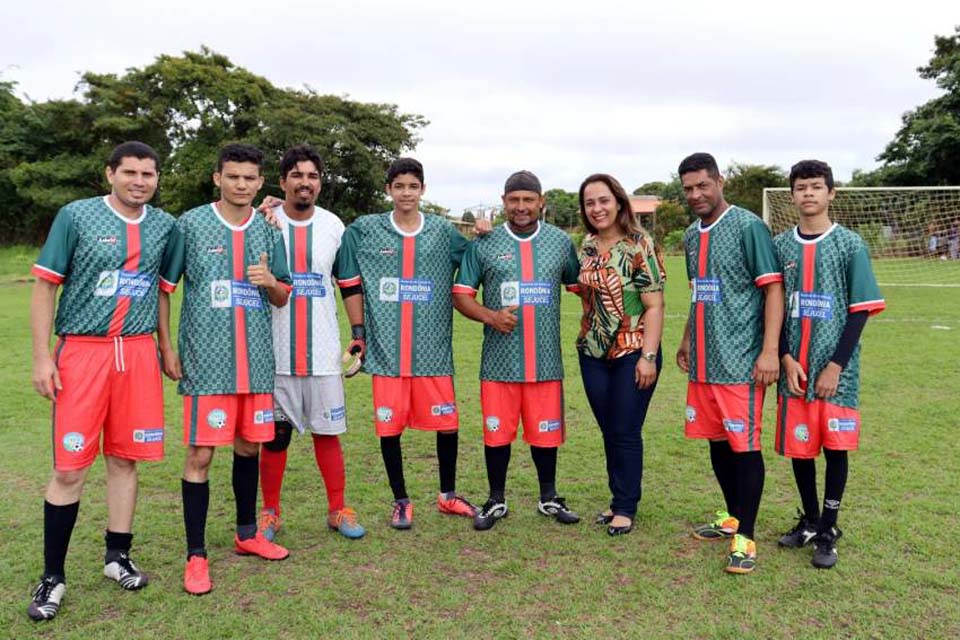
pixel 825 548
pixel 557 509
pixel 801 535
pixel 46 599
pixel 402 517
pixel 489 513
pixel 456 506
pixel 743 555
pixel 125 573
pixel 259 546
pixel 196 576
pixel 722 528
pixel 269 524
pixel 345 521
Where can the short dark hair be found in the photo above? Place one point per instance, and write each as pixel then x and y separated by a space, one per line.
pixel 132 149
pixel 699 161
pixel 405 165
pixel 625 218
pixel 240 153
pixel 806 169
pixel 300 153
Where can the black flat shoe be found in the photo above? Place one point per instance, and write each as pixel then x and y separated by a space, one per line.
pixel 619 531
pixel 603 518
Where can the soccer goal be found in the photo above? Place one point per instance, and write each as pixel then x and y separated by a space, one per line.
pixel 913 232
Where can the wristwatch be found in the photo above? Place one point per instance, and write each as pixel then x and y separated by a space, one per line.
pixel 650 356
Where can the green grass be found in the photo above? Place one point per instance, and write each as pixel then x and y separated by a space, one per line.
pixel 898 574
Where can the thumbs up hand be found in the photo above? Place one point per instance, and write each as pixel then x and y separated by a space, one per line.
pixel 260 275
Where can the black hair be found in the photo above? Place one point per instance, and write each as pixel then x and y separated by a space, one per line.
pixel 405 165
pixel 132 149
pixel 806 169
pixel 699 162
pixel 300 153
pixel 240 153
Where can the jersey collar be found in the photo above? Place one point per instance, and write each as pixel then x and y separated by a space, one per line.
pixel 278 211
pixel 247 223
pixel 407 234
pixel 796 235
pixel 137 220
pixel 715 222
pixel 506 227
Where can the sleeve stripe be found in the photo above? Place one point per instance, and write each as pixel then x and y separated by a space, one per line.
pixel 768 278
pixel 47 274
pixel 286 287
pixel 873 306
pixel 166 286
pixel 464 289
pixel 343 283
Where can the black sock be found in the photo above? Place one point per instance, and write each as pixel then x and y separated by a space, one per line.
pixel 447 444
pixel 837 468
pixel 58 523
pixel 805 473
pixel 545 459
pixel 116 544
pixel 498 459
pixel 246 481
pixel 723 461
pixel 393 462
pixel 196 500
pixel 750 476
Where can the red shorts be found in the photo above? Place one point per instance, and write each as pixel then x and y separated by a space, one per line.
pixel 539 404
pixel 113 386
pixel 213 421
pixel 427 403
pixel 731 412
pixel 804 427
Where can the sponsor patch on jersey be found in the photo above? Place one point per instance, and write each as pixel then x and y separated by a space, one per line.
pixel 384 414
pixel 505 256
pixel 337 414
pixel 445 409
pixel 546 426
pixel 817 306
pixel 217 419
pixel 802 433
pixel 73 442
pixel 691 414
pixel 734 426
pixel 235 293
pixel 309 285
pixel 387 251
pixel 493 423
pixel 514 293
pixel 841 424
pixel 107 240
pixel 216 250
pixel 107 283
pixel 406 290
pixel 263 417
pixel 144 436
pixel 708 290
pixel 132 284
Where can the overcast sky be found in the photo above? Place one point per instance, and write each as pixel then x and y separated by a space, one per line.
pixel 564 89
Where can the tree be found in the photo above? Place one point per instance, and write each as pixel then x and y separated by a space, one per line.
pixel 562 208
pixel 670 216
pixel 672 190
pixel 744 184
pixel 432 207
pixel 926 149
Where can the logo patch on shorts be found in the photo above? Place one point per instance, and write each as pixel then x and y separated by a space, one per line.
pixel 691 414
pixel 279 415
pixel 841 424
pixel 74 442
pixel 801 433
pixel 144 436
pixel 445 409
pixel 734 426
pixel 263 417
pixel 493 423
pixel 384 414
pixel 336 414
pixel 546 426
pixel 217 419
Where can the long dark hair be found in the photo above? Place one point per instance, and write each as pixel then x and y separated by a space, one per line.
pixel 625 218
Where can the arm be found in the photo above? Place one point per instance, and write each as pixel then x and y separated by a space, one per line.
pixel 46 378
pixel 353 303
pixel 683 351
pixel 646 372
pixel 829 379
pixel 767 367
pixel 168 356
pixel 794 374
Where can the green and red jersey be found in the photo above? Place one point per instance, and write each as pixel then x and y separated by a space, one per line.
pixel 110 266
pixel 225 339
pixel 728 264
pixel 825 279
pixel 526 272
pixel 407 279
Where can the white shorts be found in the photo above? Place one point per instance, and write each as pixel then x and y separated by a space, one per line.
pixel 311 403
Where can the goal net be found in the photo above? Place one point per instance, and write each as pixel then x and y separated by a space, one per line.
pixel 913 232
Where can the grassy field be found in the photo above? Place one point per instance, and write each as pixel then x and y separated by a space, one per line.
pixel 898 575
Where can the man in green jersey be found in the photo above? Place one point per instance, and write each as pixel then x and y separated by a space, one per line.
pixel 520 266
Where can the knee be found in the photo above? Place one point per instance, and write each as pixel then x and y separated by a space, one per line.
pixel 69 481
pixel 120 466
pixel 199 458
pixel 281 437
pixel 245 448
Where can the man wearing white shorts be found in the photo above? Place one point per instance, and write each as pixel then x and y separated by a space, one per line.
pixel 308 394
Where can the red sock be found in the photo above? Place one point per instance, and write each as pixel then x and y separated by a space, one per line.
pixel 330 460
pixel 272 466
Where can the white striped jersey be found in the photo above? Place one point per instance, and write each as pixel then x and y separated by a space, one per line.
pixel 306 335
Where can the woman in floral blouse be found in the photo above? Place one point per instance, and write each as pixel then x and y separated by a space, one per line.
pixel 621 283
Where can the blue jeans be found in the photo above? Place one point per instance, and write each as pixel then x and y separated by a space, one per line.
pixel 620 409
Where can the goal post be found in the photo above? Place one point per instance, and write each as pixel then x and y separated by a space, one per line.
pixel 913 232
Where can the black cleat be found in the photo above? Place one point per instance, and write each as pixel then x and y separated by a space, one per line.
pixel 556 508
pixel 46 599
pixel 801 535
pixel 825 548
pixel 489 513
